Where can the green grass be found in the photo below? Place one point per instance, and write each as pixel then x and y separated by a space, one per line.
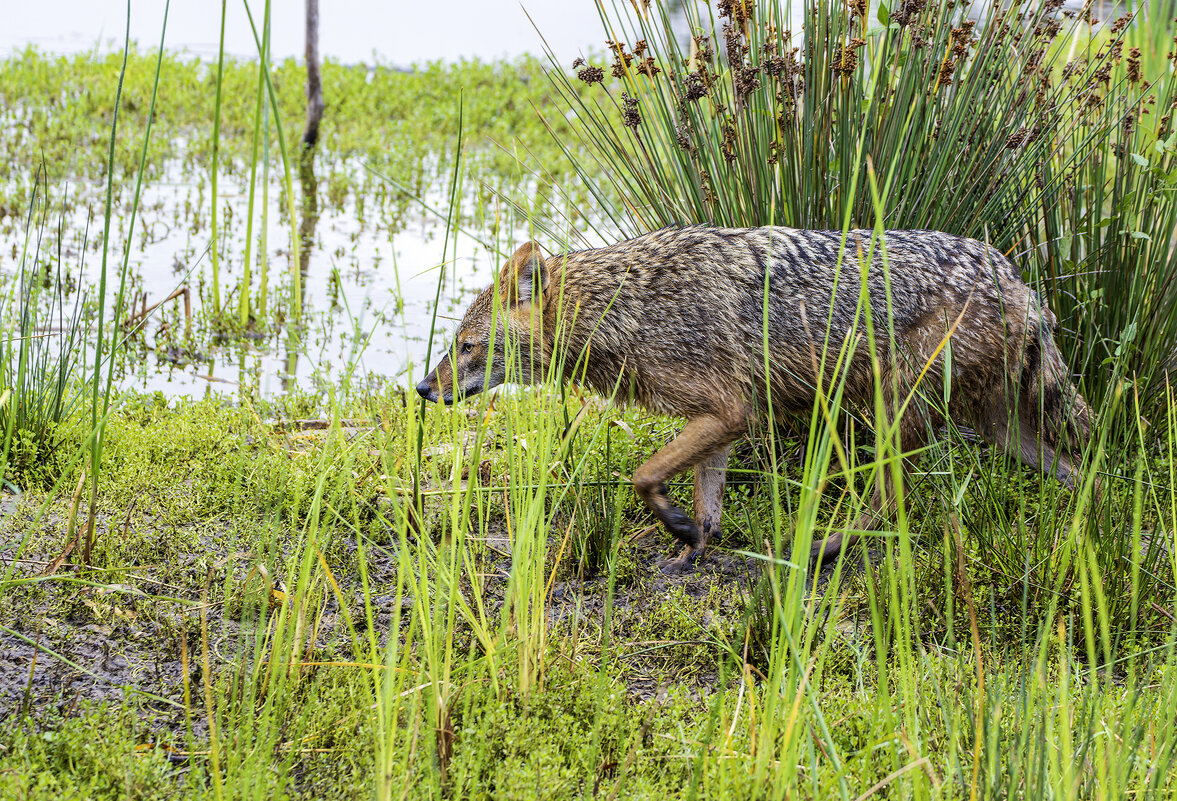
pixel 210 508
pixel 39 348
pixel 401 123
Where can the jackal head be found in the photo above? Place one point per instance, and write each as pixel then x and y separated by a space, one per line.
pixel 499 338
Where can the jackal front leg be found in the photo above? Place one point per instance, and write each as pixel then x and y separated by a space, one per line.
pixel 710 477
pixel 701 443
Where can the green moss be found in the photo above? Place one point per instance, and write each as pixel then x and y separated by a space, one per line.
pixel 101 752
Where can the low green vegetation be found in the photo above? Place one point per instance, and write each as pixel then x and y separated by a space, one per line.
pixel 345 594
pixel 401 123
pixel 471 654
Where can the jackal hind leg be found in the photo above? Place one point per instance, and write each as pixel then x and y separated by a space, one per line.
pixel 703 443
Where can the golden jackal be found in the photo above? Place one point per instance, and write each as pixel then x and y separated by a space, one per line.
pixel 678 321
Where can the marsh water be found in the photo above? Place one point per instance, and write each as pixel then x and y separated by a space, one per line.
pixel 368 287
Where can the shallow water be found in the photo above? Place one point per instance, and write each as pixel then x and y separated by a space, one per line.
pixel 369 287
pixel 372 274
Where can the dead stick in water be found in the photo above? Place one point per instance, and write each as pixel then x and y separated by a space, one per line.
pixel 146 310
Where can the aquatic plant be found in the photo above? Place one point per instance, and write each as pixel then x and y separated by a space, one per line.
pixel 1025 127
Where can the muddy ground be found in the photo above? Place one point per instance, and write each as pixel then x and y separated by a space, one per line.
pixel 80 636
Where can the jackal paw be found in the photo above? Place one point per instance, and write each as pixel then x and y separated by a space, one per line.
pixel 682 527
pixel 683 563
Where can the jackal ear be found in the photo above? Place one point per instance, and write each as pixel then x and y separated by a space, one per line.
pixel 525 276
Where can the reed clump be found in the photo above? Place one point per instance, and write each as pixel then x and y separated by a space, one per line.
pixel 1030 127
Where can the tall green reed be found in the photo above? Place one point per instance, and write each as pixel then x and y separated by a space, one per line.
pixel 40 346
pixel 244 299
pixel 98 386
pixel 214 171
pixel 757 124
pixel 989 127
pixel 287 174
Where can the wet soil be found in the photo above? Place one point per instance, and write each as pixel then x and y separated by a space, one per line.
pixel 87 637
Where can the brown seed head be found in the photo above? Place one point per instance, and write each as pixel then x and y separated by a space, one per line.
pixel 1073 68
pixel 947 67
pixel 1034 61
pixel 703 47
pixel 730 140
pixel 591 75
pixel 647 67
pixel 694 87
pixel 908 11
pixel 621 59
pixel 775 66
pixel 733 40
pixel 630 117
pixel 738 11
pixel 1134 65
pixel 961 37
pixel 1049 28
pixel 845 59
pixel 745 80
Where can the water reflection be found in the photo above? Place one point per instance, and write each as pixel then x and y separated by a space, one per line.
pixel 306 236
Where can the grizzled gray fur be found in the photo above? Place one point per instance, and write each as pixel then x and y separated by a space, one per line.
pixel 674 320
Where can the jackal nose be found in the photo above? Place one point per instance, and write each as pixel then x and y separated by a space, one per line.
pixel 426 391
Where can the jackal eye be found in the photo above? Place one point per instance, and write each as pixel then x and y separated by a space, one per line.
pixel 467 347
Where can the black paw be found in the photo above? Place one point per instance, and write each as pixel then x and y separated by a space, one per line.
pixel 681 527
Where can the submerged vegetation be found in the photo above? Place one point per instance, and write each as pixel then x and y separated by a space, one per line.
pixel 338 593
